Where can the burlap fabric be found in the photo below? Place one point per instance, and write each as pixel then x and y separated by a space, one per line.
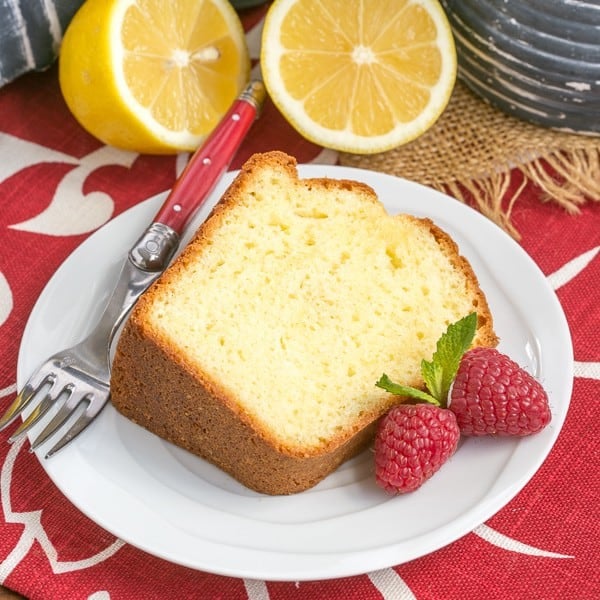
pixel 473 151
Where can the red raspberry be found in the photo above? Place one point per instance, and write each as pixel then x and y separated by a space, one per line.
pixel 412 443
pixel 493 395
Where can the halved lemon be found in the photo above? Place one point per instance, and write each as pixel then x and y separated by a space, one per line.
pixel 153 76
pixel 360 76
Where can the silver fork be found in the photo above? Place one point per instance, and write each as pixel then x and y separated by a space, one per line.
pixel 77 380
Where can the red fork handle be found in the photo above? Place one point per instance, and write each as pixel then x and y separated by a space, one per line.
pixel 210 161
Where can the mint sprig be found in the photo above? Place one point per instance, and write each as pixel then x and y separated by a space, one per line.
pixel 439 373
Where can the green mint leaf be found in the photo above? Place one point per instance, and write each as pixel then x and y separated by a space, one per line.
pixel 403 390
pixel 439 373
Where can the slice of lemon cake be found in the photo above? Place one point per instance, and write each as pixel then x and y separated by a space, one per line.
pixel 259 348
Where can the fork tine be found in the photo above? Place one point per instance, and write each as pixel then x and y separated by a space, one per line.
pixel 23 398
pixel 64 412
pixel 95 405
pixel 36 414
pixel 76 428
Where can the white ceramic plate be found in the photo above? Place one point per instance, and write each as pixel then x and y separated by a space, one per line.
pixel 178 507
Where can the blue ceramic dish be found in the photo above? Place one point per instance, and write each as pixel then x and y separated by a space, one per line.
pixel 537 60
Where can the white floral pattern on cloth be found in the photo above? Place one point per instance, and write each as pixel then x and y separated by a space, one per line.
pixel 33 530
pixel 71 211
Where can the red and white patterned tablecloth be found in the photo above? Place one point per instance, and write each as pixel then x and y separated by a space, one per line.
pixel 58 185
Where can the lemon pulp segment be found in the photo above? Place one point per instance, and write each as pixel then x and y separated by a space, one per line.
pixel 367 74
pixel 153 76
pixel 168 59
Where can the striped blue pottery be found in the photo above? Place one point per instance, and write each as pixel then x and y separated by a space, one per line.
pixel 30 34
pixel 538 60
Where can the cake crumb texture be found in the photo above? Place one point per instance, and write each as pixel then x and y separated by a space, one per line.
pixel 259 348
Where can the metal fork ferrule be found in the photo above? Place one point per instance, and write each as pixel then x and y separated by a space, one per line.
pixel 155 248
pixel 254 93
